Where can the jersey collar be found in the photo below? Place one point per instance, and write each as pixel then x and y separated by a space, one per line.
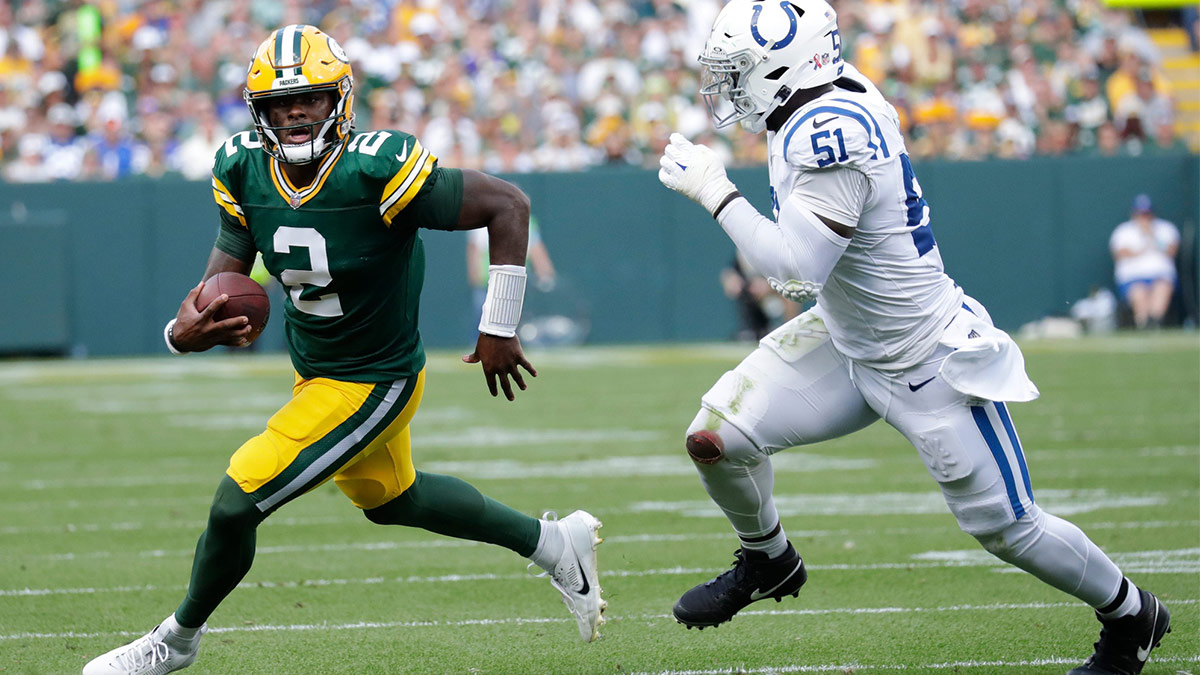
pixel 298 197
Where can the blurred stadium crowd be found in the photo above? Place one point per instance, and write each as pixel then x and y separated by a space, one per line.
pixel 115 88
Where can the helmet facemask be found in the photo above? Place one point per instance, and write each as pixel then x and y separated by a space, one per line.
pixel 720 85
pixel 323 136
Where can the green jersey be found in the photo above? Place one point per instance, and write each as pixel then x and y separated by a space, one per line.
pixel 345 247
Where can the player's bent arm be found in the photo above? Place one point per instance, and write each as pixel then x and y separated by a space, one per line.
pixel 796 254
pixel 503 209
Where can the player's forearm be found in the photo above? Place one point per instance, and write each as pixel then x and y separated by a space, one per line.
pixel 799 248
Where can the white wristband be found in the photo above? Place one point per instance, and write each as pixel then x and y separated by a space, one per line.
pixel 167 337
pixel 505 296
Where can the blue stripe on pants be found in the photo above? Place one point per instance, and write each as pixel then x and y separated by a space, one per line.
pixel 989 435
pixel 1016 444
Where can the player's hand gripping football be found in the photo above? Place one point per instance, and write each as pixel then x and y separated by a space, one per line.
pixel 696 172
pixel 196 330
pixel 500 357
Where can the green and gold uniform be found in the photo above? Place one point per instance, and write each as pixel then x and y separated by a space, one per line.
pixel 346 247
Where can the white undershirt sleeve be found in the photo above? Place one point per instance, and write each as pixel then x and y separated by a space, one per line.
pixel 839 194
pixel 796 254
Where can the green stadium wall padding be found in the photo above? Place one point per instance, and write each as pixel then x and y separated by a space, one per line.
pixel 98 268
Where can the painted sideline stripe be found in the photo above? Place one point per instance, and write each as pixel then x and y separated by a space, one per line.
pixel 524 620
pixel 1164 564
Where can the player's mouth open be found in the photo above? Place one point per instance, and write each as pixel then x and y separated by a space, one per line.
pixel 301 135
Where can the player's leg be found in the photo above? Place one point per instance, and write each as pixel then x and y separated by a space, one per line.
pixel 795 389
pixel 386 486
pixel 975 455
pixel 325 425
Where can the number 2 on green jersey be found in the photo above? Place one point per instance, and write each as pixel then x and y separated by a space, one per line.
pixel 305 237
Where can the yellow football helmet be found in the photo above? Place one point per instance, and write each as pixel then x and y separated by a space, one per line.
pixel 298 59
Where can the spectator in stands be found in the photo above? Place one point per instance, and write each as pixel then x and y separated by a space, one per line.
pixel 970 79
pixel 1143 250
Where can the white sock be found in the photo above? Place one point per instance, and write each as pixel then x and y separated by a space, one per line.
pixel 173 626
pixel 773 545
pixel 549 547
pixel 1129 606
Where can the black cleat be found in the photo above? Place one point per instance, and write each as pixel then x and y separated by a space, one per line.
pixel 753 577
pixel 1125 644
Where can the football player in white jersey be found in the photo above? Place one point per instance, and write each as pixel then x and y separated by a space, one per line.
pixel 891 337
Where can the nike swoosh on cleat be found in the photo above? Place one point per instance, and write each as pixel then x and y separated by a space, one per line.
pixel 759 595
pixel 827 120
pixel 1143 653
pixel 914 387
pixel 583 577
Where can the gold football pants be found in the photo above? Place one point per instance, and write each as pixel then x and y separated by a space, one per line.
pixel 355 433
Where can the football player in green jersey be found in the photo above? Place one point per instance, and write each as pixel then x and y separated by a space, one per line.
pixel 335 215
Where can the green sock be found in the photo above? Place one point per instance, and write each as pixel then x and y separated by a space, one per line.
pixel 450 506
pixel 223 554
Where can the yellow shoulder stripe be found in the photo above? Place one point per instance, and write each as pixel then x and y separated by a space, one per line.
pixel 407 182
pixel 225 200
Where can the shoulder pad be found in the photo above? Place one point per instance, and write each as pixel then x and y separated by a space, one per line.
pixel 832 132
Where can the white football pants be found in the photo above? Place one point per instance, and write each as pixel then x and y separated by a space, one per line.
pixel 796 388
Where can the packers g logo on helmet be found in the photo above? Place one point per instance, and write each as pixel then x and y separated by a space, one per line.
pixel 298 59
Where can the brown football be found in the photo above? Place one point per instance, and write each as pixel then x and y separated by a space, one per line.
pixel 246 298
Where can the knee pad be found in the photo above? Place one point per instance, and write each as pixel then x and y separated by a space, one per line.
pixel 981 515
pixel 1010 541
pixel 711 439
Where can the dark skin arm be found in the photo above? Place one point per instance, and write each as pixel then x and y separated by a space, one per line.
pixel 503 209
pixel 197 331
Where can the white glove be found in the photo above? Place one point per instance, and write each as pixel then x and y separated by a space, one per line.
pixel 696 172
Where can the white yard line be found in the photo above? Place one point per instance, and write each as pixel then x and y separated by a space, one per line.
pixel 1184 561
pixel 855 666
pixel 281 521
pixel 360 625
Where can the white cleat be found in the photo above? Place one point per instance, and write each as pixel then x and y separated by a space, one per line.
pixel 159 651
pixel 575 574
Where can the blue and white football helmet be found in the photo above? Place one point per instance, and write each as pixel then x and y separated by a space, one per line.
pixel 761 51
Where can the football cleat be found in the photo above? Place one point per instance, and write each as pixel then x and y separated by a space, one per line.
pixel 575 574
pixel 753 577
pixel 1125 644
pixel 159 651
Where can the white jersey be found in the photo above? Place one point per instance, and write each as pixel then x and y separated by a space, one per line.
pixel 888 299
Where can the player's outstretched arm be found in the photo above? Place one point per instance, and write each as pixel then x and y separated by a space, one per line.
pixel 195 330
pixel 503 209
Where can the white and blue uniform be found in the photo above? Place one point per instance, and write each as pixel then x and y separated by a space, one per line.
pixel 892 337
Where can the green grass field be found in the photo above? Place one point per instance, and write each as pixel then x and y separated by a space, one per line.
pixel 107 468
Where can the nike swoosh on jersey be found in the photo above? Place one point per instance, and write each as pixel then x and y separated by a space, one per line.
pixel 403 156
pixel 759 595
pixel 1143 653
pixel 914 387
pixel 827 120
